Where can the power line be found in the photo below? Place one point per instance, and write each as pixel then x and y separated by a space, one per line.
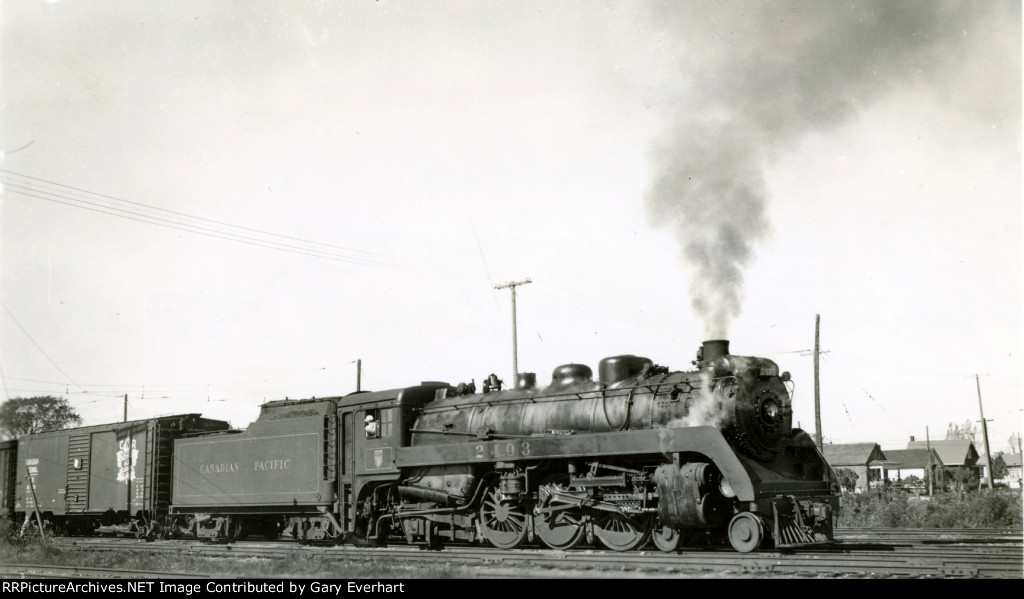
pixel 182 386
pixel 209 220
pixel 47 356
pixel 338 253
pixel 830 361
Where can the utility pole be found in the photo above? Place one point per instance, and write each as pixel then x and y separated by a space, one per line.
pixel 515 357
pixel 984 432
pixel 817 386
pixel 359 375
pixel 125 407
pixel 931 473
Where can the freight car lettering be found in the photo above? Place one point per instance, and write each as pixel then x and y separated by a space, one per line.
pixel 236 469
pixel 127 457
pixel 272 465
pixel 218 468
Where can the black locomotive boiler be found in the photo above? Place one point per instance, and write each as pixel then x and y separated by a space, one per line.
pixel 639 453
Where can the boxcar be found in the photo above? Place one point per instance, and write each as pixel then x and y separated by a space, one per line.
pixel 111 478
pixel 8 462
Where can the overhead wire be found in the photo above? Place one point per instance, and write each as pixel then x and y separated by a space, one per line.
pixel 41 350
pixel 96 202
pixel 828 360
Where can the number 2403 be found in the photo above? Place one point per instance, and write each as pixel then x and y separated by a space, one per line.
pixel 503 450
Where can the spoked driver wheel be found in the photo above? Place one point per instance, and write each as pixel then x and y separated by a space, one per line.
pixel 620 532
pixel 504 521
pixel 562 529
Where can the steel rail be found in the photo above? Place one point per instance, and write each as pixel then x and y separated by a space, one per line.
pixel 53 571
pixel 865 560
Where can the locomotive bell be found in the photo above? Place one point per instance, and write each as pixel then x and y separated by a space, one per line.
pixel 526 381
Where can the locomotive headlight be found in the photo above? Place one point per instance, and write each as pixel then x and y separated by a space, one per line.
pixel 770 411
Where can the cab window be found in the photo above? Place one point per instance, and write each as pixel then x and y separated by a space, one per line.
pixel 378 423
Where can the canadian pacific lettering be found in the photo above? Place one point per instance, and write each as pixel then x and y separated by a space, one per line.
pixel 218 468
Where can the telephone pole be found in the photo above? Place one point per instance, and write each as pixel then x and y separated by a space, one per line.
pixel 984 432
pixel 125 407
pixel 359 375
pixel 515 359
pixel 817 386
pixel 931 474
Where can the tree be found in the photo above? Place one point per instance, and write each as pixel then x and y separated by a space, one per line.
pixel 962 478
pixel 26 415
pixel 847 478
pixel 962 431
pixel 999 469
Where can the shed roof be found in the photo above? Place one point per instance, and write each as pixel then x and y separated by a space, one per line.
pixel 912 458
pixel 954 452
pixel 1011 459
pixel 852 454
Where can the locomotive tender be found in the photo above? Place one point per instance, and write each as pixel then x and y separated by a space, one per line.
pixel 641 453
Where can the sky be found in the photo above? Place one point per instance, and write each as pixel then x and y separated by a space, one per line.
pixel 206 206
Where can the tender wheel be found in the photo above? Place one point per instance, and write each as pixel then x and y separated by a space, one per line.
pixel 746 532
pixel 619 532
pixel 503 521
pixel 562 529
pixel 665 538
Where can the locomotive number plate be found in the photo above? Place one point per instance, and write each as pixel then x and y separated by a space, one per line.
pixel 501 449
pixel 769 371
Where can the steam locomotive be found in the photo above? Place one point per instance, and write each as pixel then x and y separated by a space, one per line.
pixel 703 456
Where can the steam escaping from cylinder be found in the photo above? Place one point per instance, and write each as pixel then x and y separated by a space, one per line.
pixel 753 78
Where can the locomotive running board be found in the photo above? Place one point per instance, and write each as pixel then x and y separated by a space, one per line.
pixel 704 440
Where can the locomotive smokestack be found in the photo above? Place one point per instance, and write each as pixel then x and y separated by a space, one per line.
pixel 711 350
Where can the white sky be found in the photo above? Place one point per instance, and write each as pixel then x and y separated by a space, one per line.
pixel 434 149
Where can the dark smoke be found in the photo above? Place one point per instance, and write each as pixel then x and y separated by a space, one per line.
pixel 755 77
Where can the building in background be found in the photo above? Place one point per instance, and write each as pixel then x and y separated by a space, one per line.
pixel 959 458
pixel 866 459
pixel 1014 473
pixel 920 463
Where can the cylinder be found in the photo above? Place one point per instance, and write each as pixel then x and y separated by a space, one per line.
pixel 688 495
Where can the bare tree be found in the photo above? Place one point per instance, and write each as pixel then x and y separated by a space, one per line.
pixel 962 431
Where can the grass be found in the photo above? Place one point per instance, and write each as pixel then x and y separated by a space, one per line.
pixel 1000 508
pixel 36 552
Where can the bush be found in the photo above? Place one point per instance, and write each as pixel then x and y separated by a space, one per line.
pixel 895 509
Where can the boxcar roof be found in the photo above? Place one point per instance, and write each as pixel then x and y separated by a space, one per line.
pixel 109 426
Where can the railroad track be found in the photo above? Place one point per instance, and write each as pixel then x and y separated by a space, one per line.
pixel 36 571
pixel 931 535
pixel 858 553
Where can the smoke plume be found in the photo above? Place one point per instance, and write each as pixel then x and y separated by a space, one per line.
pixel 754 77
